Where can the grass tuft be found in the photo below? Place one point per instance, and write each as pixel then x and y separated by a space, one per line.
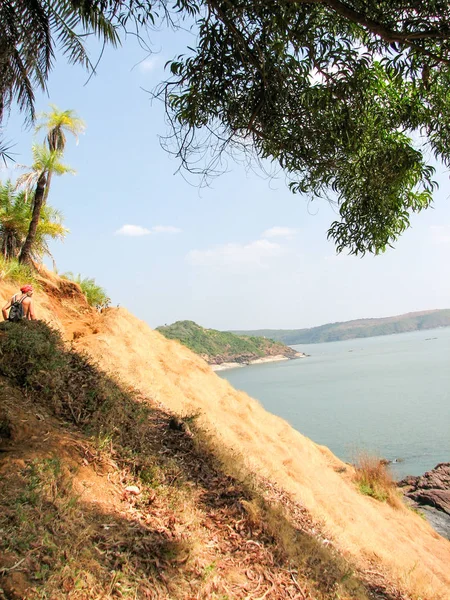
pixel 12 270
pixel 374 479
pixel 95 294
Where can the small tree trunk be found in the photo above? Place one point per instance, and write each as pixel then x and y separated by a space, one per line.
pixel 47 186
pixel 25 254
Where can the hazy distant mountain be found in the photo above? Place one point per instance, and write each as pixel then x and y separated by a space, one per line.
pixel 331 332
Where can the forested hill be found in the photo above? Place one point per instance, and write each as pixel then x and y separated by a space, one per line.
pixel 219 347
pixel 332 332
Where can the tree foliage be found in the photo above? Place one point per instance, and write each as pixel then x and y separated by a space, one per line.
pixel 45 163
pixel 223 346
pixel 57 123
pixel 33 29
pixel 344 96
pixel 30 31
pixel 15 217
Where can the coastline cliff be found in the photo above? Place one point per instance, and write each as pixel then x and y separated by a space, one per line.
pixel 225 350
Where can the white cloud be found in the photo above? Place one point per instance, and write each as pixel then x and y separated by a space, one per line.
pixel 253 254
pixel 286 232
pixel 137 230
pixel 440 234
pixel 150 64
pixel 165 229
pixel 133 230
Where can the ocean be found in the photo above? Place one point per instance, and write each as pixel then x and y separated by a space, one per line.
pixel 388 396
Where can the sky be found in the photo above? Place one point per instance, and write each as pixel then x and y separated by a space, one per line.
pixel 243 253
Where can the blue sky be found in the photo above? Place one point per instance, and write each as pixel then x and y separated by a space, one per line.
pixel 244 253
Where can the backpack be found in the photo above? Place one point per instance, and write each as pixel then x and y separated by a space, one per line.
pixel 16 310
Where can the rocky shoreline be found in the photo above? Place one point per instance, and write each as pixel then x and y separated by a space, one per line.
pixel 430 493
pixel 255 361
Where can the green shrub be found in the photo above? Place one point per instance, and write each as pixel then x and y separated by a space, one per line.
pixel 12 270
pixel 95 294
pixel 31 353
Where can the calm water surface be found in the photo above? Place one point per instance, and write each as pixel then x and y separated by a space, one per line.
pixel 389 395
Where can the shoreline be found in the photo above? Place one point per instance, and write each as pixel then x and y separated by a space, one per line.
pixel 266 359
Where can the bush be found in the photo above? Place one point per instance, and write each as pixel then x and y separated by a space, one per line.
pixel 12 270
pixel 374 479
pixel 30 352
pixel 95 294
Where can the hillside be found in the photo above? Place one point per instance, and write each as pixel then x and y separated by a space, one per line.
pixel 219 347
pixel 134 471
pixel 360 328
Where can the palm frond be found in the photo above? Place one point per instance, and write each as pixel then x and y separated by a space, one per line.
pixel 27 180
pixel 25 52
pixel 5 152
pixel 15 217
pixel 57 122
pixel 30 31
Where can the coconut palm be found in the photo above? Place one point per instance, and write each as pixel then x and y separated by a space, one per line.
pixel 15 217
pixel 45 161
pixel 57 122
pixel 31 29
pixel 13 220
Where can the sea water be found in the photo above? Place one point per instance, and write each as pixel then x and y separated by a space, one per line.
pixel 388 396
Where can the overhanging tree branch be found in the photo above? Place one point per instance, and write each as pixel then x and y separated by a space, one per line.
pixel 389 35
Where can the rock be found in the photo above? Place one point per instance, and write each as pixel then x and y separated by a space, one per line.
pixel 178 424
pixel 440 499
pixel 438 520
pixel 133 489
pixel 431 489
pixel 408 481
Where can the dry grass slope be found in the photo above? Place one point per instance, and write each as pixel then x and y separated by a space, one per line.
pixel 141 508
pixel 373 542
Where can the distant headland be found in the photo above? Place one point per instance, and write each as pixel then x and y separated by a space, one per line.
pixel 360 328
pixel 225 350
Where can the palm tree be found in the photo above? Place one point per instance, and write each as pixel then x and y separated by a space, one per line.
pixel 45 161
pixel 13 220
pixel 57 123
pixel 30 31
pixel 15 217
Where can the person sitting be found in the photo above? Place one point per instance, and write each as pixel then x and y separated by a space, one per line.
pixel 20 306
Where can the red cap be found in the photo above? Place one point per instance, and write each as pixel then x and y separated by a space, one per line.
pixel 26 288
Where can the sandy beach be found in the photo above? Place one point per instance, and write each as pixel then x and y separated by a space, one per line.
pixel 234 365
